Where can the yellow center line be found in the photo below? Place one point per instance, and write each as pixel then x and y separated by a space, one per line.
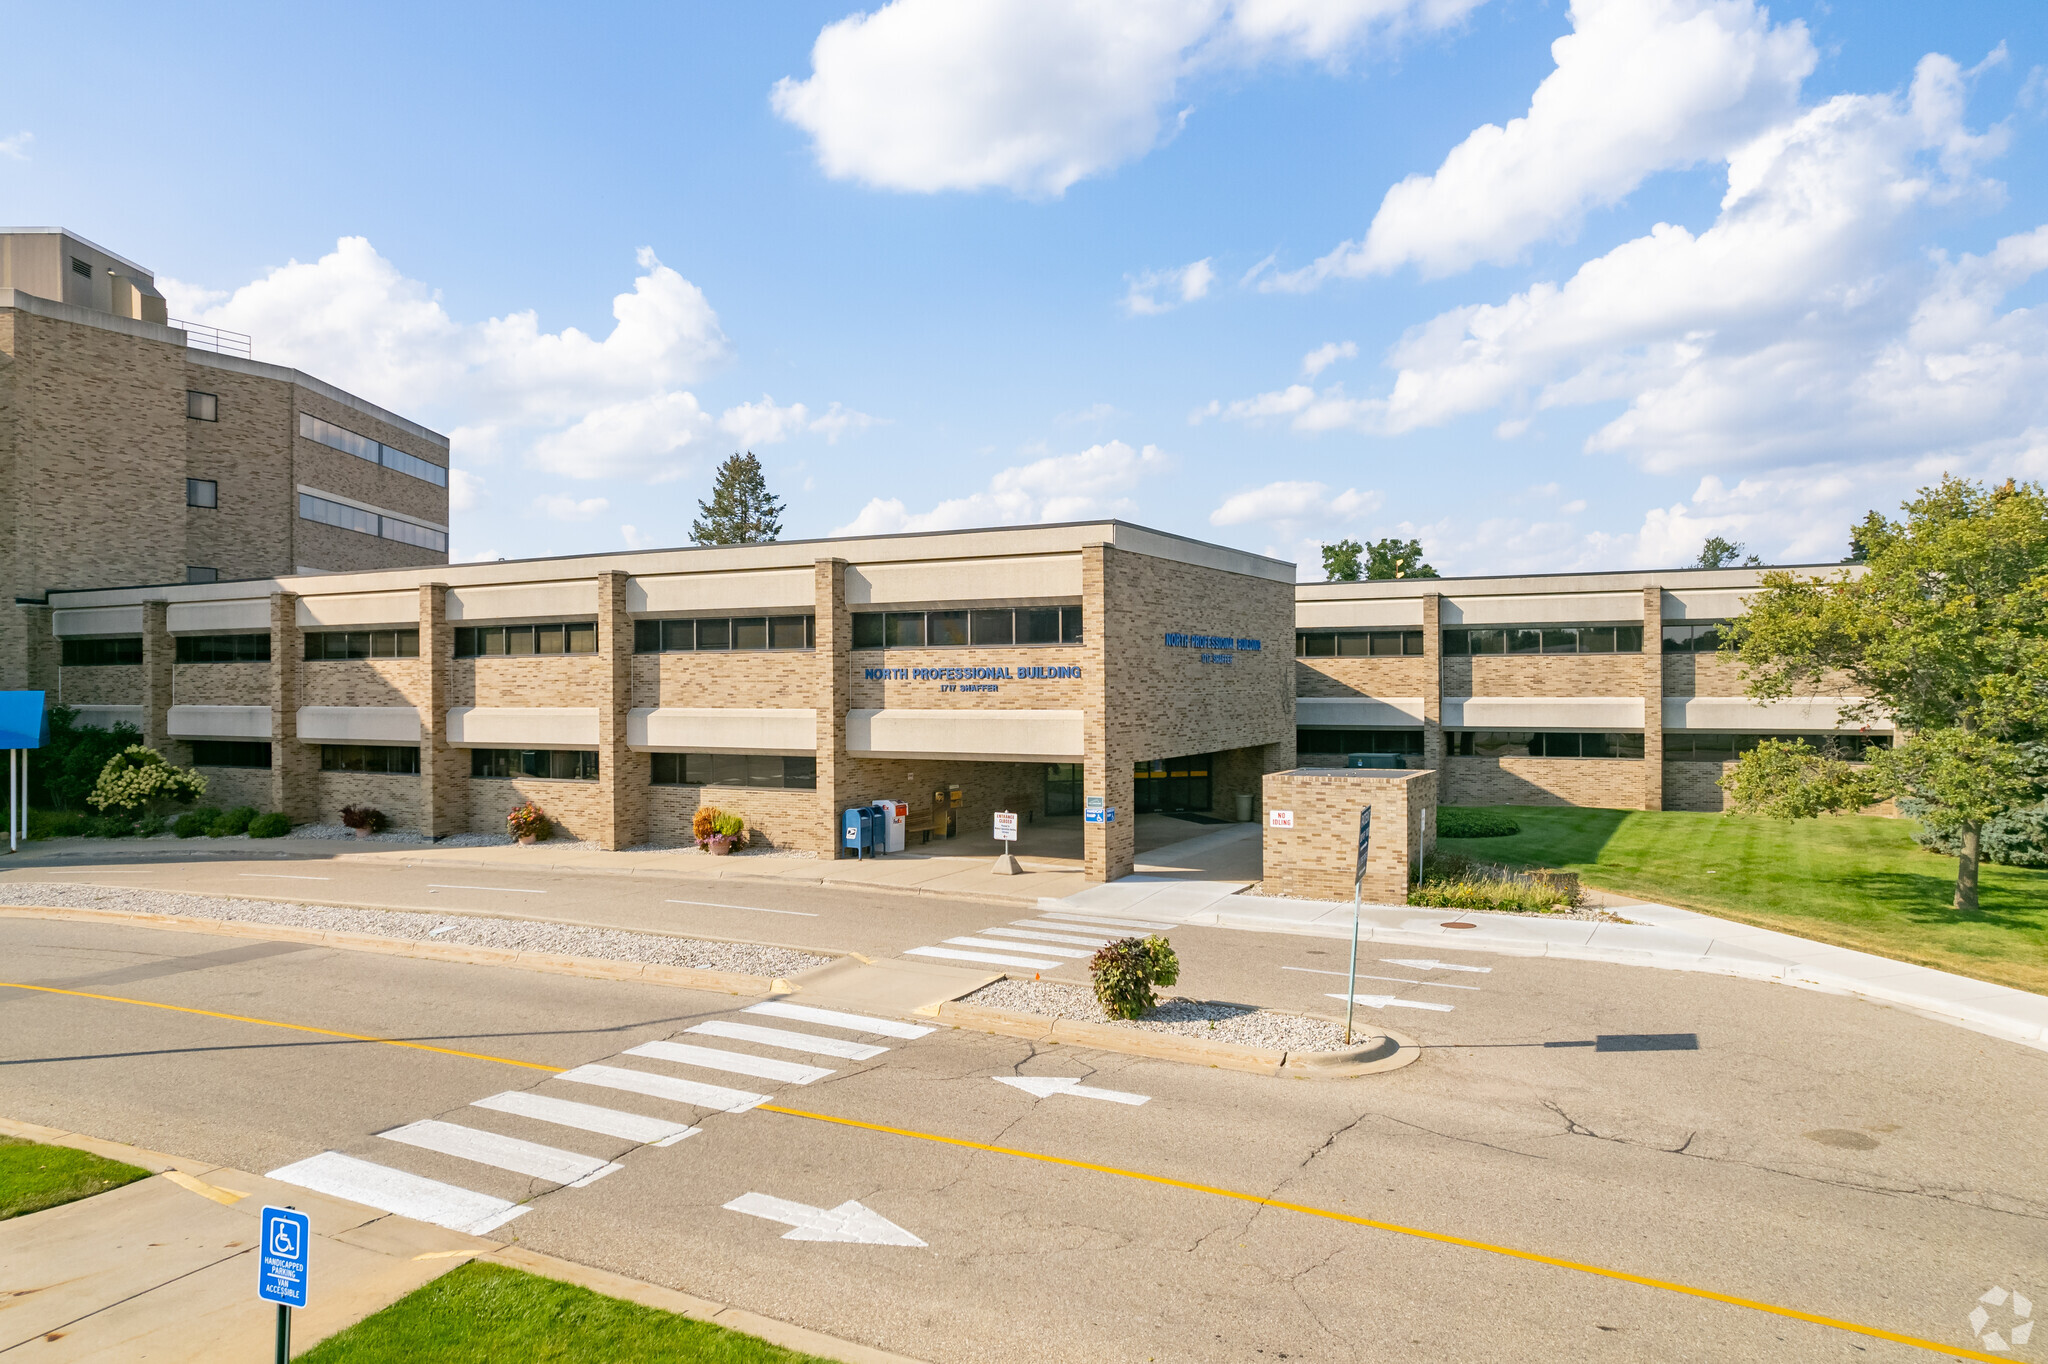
pixel 294 1027
pixel 1878 1333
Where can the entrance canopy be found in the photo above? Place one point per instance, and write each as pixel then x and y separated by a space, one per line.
pixel 23 721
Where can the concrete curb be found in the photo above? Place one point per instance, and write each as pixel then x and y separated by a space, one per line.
pixel 1396 1051
pixel 593 968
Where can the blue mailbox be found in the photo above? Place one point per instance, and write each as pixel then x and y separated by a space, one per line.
pixel 861 830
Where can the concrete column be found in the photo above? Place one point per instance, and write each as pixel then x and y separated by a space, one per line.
pixel 294 767
pixel 1432 682
pixel 1110 849
pixel 42 653
pixel 444 771
pixel 622 774
pixel 159 654
pixel 834 693
pixel 1653 698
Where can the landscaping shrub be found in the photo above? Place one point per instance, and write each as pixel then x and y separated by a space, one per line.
pixel 705 822
pixel 149 824
pixel 276 824
pixel 62 773
pixel 2017 838
pixel 1125 971
pixel 137 778
pixel 365 817
pixel 1454 821
pixel 235 821
pixel 57 824
pixel 113 824
pixel 193 823
pixel 1461 881
pixel 529 821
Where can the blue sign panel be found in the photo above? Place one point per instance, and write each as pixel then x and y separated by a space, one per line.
pixel 281 1272
pixel 1364 842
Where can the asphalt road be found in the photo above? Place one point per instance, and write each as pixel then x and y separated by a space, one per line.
pixel 1812 1153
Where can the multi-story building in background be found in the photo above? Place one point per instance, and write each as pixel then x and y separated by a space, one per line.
pixel 137 449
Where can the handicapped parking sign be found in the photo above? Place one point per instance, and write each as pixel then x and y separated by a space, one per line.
pixel 281 1273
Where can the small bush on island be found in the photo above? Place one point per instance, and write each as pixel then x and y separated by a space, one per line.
pixel 138 779
pixel 529 821
pixel 276 824
pixel 1454 821
pixel 1125 971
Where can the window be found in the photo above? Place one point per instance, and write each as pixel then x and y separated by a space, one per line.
pixel 328 645
pixel 1358 643
pixel 765 770
pixel 202 492
pixel 489 641
pixel 1546 639
pixel 382 758
pixel 1062 787
pixel 955 629
pixel 1694 637
pixel 362 447
pixel 202 407
pixel 1173 784
pixel 201 573
pixel 230 752
pixel 740 632
pixel 102 653
pixel 549 764
pixel 1694 746
pixel 328 512
pixel 1340 741
pixel 1541 744
pixel 224 649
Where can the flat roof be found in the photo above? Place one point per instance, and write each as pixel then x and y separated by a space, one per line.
pixel 1599 580
pixel 81 240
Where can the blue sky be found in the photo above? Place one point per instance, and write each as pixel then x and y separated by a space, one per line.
pixel 1737 270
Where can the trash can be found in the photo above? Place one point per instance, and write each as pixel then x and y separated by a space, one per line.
pixel 1244 807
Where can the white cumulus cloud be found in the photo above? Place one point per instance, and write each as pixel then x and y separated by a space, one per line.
pixel 1034 95
pixel 1071 487
pixel 1159 291
pixel 763 423
pixel 1326 355
pixel 15 147
pixel 1292 502
pixel 563 507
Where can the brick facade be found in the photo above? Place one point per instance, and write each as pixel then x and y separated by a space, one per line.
pixel 1317 856
pixel 1610 783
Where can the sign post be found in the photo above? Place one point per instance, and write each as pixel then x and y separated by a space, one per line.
pixel 1357 882
pixel 281 1269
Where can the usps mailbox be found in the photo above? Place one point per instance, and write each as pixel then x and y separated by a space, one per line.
pixel 858 829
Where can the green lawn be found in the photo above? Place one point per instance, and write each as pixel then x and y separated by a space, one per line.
pixel 34 1176
pixel 487 1314
pixel 1856 881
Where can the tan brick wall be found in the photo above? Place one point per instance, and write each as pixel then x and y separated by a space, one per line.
pixel 576 807
pixel 572 680
pixel 623 809
pixel 1544 675
pixel 227 787
pixel 914 693
pixel 220 684
pixel 444 771
pixel 99 687
pixel 787 819
pixel 397 796
pixel 1695 786
pixel 337 471
pixel 1402 676
pixel 835 691
pixel 248 454
pixel 1317 858
pixel 1653 701
pixel 316 544
pixel 766 680
pixel 1610 783
pixel 363 682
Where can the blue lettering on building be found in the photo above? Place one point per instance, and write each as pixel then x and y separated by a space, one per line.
pixel 1216 648
pixel 1022 673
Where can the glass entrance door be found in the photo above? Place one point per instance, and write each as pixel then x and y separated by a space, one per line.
pixel 1174 785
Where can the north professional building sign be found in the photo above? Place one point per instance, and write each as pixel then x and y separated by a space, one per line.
pixel 977 679
pixel 1215 648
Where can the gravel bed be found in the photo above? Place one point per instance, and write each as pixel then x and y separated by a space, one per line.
pixel 342 833
pixel 609 944
pixel 1214 1020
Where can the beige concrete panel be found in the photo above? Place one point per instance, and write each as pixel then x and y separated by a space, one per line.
pixel 782 590
pixel 219 722
pixel 1682 603
pixel 98 620
pixel 987 736
pixel 1793 715
pixel 1358 711
pixel 722 729
pixel 523 727
pixel 106 717
pixel 359 724
pixel 525 601
pixel 215 617
pixel 1538 608
pixel 998 579
pixel 359 609
pixel 1543 712
pixel 1355 615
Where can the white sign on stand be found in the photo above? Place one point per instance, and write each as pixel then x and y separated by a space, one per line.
pixel 1006 826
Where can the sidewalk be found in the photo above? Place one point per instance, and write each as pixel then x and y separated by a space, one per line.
pixel 1660 936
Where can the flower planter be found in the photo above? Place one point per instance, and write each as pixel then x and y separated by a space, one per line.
pixel 360 833
pixel 528 840
pixel 718 846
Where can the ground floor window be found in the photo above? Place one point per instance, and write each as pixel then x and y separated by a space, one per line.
pixel 554 764
pixel 368 758
pixel 1692 746
pixel 230 753
pixel 1173 784
pixel 1063 788
pixel 766 770
pixel 1330 741
pixel 1521 743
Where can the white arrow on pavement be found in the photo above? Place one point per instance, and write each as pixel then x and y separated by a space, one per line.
pixel 1427 964
pixel 849 1221
pixel 1045 1087
pixel 1389 1002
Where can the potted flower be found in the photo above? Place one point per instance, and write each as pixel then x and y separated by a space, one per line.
pixel 718 833
pixel 528 823
pixel 363 820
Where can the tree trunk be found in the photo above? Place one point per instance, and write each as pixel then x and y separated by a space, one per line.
pixel 1966 872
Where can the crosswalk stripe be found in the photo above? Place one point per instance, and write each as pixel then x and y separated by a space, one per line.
pixel 696 1093
pixel 399 1193
pixel 608 1122
pixel 506 1153
pixel 1092 920
pixel 833 1018
pixel 789 1041
pixel 1068 952
pixel 988 958
pixel 1389 1002
pixel 738 1062
pixel 1090 940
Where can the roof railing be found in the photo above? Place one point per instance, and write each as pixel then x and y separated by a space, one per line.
pixel 202 337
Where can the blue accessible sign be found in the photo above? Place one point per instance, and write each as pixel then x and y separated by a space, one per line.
pixel 281 1273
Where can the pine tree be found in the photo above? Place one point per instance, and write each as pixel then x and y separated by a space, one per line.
pixel 740 511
